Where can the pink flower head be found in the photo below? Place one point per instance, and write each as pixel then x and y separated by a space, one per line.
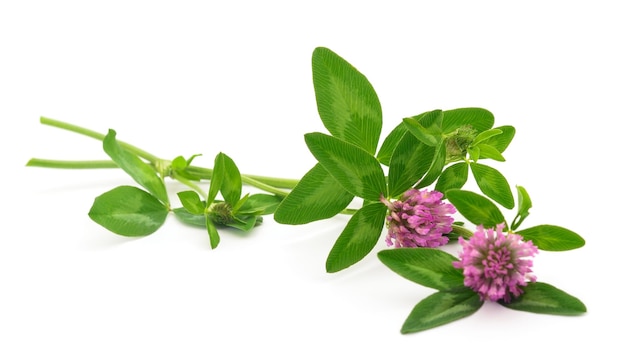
pixel 419 219
pixel 495 264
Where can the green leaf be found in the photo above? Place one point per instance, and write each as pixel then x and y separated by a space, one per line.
pixel 179 162
pixel 389 144
pixel 128 211
pixel 474 153
pixel 436 167
pixel 191 201
pixel 523 206
pixel 244 223
pixel 493 184
pixel 179 168
pixel 346 101
pixel 183 215
pixel 453 177
pixel 476 208
pixel 410 161
pixel 441 308
pixel 317 196
pixel 543 298
pixel 358 237
pixel 486 135
pixel 502 140
pixel 260 204
pixel 552 238
pixel 426 128
pixel 217 178
pixel 141 172
pixel 426 266
pixel 479 118
pixel 214 236
pixel 490 152
pixel 231 183
pixel 354 168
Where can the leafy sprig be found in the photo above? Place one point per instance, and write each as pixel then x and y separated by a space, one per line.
pixel 356 173
pixel 132 211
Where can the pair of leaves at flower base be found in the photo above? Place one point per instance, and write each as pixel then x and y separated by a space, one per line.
pixel 433 268
pixel 349 167
pixel 479 210
pixel 133 212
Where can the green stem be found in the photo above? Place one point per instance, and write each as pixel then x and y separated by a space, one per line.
pixel 72 164
pixel 269 184
pixel 191 185
pixel 206 173
pixel 462 231
pixel 98 136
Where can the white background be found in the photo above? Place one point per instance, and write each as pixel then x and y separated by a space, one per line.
pixel 186 77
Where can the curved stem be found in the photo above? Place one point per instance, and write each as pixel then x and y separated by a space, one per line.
pixel 191 185
pixel 269 184
pixel 462 231
pixel 98 136
pixel 268 188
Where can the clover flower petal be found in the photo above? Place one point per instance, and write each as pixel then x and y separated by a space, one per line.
pixel 418 219
pixel 496 265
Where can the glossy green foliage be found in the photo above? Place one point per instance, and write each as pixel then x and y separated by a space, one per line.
pixel 356 170
pixel 441 308
pixel 317 196
pixel 358 237
pixel 543 298
pixel 475 208
pixel 552 238
pixel 128 211
pixel 346 101
pixel 141 172
pixel 429 267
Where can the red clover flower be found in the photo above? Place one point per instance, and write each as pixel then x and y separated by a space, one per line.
pixel 495 264
pixel 418 219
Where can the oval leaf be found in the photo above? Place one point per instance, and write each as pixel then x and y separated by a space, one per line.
pixel 479 118
pixel 183 215
pixel 260 204
pixel 410 161
pixel 358 237
pixel 191 202
pixel 426 266
pixel 476 208
pixel 543 298
pixel 453 177
pixel 354 168
pixel 389 144
pixel 128 211
pixel 435 167
pixel 490 152
pixel 317 196
pixel 346 101
pixel 231 183
pixel 441 308
pixel 502 140
pixel 493 184
pixel 141 172
pixel 485 135
pixel 427 128
pixel 552 238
